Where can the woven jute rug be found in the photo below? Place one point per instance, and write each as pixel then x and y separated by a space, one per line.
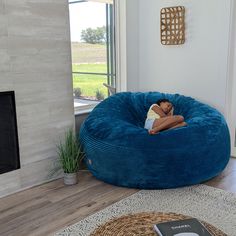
pixel 207 204
pixel 141 224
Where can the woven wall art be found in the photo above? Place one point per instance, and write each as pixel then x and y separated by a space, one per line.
pixel 173 25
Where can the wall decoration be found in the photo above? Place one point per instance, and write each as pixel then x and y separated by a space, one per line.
pixel 172 25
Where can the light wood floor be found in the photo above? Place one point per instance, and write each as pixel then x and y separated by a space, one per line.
pixel 47 208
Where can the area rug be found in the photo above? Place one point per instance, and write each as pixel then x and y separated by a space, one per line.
pixel 215 206
pixel 141 224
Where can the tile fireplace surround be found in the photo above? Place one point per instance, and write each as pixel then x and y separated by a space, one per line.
pixel 35 62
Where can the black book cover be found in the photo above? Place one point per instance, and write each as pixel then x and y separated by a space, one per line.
pixel 188 227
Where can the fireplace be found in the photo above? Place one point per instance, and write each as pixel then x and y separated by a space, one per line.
pixel 9 147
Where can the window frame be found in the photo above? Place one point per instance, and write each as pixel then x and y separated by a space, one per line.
pixel 120 45
pixel 110 52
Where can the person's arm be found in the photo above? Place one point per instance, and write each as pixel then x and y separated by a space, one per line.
pixel 171 113
pixel 159 111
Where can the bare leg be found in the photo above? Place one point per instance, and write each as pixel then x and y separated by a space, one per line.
pixel 165 123
pixel 179 125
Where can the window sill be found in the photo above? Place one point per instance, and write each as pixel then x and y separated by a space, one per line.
pixel 83 106
pixel 82 112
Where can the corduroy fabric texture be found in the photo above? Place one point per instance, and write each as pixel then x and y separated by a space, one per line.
pixel 121 152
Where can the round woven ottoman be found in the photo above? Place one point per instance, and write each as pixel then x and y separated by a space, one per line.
pixel 142 224
pixel 121 152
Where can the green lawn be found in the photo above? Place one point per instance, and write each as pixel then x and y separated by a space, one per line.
pixel 89 58
pixel 89 84
pixel 88 53
pixel 94 68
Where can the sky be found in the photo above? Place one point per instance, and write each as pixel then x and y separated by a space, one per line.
pixel 84 15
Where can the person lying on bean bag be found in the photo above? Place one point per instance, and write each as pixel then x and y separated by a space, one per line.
pixel 160 117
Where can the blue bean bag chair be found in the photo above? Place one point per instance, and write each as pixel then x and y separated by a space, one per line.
pixel 121 152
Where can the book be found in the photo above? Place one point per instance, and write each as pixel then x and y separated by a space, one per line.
pixel 188 227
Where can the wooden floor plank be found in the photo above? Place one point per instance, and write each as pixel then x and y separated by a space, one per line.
pixel 44 209
pixel 227 179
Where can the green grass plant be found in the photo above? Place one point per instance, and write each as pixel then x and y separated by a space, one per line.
pixel 70 153
pixel 99 95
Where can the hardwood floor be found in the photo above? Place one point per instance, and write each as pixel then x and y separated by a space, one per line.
pixel 47 208
pixel 227 179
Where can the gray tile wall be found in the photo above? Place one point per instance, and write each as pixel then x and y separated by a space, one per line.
pixel 35 62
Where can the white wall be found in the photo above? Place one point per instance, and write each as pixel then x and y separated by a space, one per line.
pixel 199 67
pixel 231 102
pixel 35 62
pixel 132 44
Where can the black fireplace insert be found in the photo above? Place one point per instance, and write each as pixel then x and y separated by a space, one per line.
pixel 9 146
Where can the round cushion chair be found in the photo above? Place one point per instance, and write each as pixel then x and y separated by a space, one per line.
pixel 121 152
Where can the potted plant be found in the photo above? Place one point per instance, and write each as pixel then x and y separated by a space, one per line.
pixel 70 155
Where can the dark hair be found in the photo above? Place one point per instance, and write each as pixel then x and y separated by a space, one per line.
pixel 158 102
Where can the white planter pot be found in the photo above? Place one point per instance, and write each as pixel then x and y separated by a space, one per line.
pixel 70 178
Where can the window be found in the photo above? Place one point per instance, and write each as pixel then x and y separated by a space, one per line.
pixel 93 51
